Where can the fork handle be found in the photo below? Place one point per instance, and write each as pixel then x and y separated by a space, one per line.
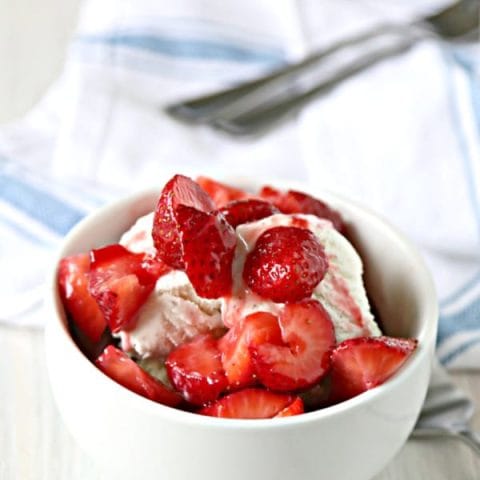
pixel 469 437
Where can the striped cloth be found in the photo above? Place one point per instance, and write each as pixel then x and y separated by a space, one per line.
pixel 402 138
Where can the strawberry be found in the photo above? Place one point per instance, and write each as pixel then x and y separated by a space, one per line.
pixel 299 202
pixel 362 363
pixel 249 403
pixel 285 265
pixel 256 328
pixel 196 371
pixel 120 282
pixel 121 368
pixel 221 193
pixel 166 233
pixel 244 211
pixel 189 235
pixel 209 245
pixel 304 359
pixel 295 408
pixel 73 278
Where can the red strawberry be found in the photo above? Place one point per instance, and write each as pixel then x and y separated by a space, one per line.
pixel 166 233
pixel 362 363
pixel 256 328
pixel 73 277
pixel 295 408
pixel 249 403
pixel 302 361
pixel 120 282
pixel 121 368
pixel 192 237
pixel 221 192
pixel 244 211
pixel 209 245
pixel 195 369
pixel 299 202
pixel 286 264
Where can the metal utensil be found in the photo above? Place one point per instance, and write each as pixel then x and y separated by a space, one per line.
pixel 254 106
pixel 446 412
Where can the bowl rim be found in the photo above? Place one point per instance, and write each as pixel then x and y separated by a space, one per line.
pixel 426 337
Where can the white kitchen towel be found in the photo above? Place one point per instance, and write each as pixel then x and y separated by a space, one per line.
pixel 402 137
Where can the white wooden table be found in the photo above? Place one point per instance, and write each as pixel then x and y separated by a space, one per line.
pixel 35 445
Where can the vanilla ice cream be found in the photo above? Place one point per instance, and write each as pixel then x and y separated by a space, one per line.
pixel 174 313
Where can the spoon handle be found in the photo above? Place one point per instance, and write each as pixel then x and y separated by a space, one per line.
pixel 469 437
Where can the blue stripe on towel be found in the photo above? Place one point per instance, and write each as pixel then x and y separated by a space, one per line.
pixel 20 230
pixel 467 319
pixel 39 205
pixel 449 357
pixel 191 48
pixel 461 291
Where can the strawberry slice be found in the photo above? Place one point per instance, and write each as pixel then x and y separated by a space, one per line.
pixel 293 201
pixel 196 371
pixel 120 282
pixel 121 368
pixel 189 235
pixel 249 403
pixel 221 193
pixel 295 408
pixel 166 232
pixel 209 245
pixel 73 278
pixel 256 328
pixel 285 265
pixel 304 359
pixel 362 363
pixel 245 211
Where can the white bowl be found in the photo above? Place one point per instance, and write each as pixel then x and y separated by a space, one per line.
pixel 137 438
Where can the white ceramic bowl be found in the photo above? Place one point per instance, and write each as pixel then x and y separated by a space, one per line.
pixel 136 438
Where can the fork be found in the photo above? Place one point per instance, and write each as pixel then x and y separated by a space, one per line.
pixel 255 106
pixel 446 412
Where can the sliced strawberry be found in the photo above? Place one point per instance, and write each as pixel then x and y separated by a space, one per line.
pixel 302 361
pixel 299 202
pixel 285 265
pixel 249 403
pixel 121 368
pixel 220 192
pixel 196 371
pixel 245 211
pixel 166 233
pixel 295 408
pixel 209 245
pixel 73 278
pixel 120 282
pixel 362 363
pixel 256 328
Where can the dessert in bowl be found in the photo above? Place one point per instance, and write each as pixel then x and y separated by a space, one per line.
pixel 339 437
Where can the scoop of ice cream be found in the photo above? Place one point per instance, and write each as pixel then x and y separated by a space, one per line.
pixel 173 313
pixel 341 291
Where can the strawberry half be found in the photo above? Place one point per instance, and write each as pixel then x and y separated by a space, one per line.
pixel 73 278
pixel 189 235
pixel 195 369
pixel 166 233
pixel 304 359
pixel 221 193
pixel 121 368
pixel 299 202
pixel 295 408
pixel 285 265
pixel 120 282
pixel 245 211
pixel 256 328
pixel 209 245
pixel 362 363
pixel 249 403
